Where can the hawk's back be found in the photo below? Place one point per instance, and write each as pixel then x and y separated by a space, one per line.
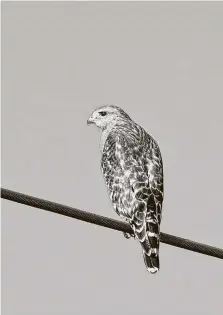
pixel 131 162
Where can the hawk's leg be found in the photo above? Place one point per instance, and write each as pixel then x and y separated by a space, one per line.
pixel 129 235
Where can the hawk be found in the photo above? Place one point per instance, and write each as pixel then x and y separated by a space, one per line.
pixel 132 167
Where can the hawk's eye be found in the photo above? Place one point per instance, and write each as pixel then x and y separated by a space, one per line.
pixel 103 113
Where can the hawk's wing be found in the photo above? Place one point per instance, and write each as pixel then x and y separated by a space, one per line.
pixel 132 160
pixel 155 186
pixel 139 153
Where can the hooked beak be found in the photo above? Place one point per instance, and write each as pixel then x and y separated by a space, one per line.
pixel 90 121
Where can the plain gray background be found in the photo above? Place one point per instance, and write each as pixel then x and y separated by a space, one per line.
pixel 162 63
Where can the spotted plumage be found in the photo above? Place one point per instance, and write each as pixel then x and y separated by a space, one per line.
pixel 132 167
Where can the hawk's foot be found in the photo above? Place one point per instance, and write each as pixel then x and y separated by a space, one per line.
pixel 128 235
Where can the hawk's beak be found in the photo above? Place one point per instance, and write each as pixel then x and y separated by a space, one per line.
pixel 90 121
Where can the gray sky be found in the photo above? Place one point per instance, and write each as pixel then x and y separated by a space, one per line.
pixel 162 63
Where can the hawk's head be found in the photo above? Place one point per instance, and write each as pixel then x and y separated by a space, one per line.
pixel 107 115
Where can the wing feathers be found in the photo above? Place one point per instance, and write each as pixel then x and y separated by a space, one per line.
pixel 133 171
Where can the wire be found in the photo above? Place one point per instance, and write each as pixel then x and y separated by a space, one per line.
pixel 106 222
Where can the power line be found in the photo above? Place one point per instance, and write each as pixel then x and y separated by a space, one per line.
pixel 106 222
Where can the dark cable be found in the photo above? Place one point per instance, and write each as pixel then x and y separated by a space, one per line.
pixel 106 222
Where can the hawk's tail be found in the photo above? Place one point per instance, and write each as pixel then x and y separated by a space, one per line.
pixel 146 229
pixel 150 246
pixel 151 261
pixel 151 251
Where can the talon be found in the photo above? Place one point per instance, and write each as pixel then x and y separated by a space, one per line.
pixel 128 235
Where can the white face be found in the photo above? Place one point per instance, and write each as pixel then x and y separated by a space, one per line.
pixel 106 115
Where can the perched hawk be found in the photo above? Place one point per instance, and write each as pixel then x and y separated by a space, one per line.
pixel 132 167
